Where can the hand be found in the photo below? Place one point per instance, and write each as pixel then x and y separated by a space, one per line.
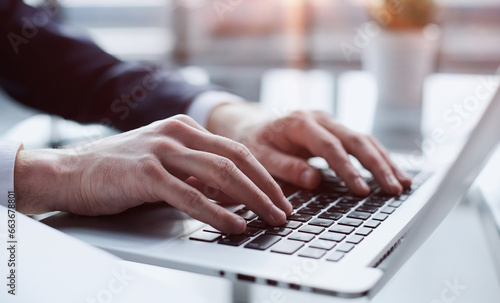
pixel 172 160
pixel 283 146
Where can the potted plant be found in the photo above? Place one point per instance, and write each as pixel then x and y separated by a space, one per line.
pixel 400 56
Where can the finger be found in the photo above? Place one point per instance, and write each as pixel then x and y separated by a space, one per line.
pixel 214 168
pixel 324 144
pixel 403 178
pixel 289 168
pixel 211 192
pixel 190 121
pixel 246 163
pixel 368 155
pixel 223 174
pixel 192 202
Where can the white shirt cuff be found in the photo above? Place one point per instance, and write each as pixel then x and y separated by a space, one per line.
pixel 8 153
pixel 202 105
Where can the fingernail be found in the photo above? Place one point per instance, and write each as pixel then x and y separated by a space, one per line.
pixel 241 225
pixel 403 175
pixel 288 206
pixel 305 178
pixel 394 183
pixel 361 184
pixel 277 213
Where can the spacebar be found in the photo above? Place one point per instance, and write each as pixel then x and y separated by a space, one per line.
pixel 263 242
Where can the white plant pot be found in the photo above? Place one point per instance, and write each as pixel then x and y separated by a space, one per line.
pixel 400 61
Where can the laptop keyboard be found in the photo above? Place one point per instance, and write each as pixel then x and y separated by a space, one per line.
pixel 327 222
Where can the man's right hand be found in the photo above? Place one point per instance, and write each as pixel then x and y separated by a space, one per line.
pixel 173 160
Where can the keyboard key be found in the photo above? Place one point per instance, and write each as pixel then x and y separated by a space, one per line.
pixel 330 215
pixel 403 197
pixel 246 214
pixel 319 204
pixel 373 203
pixel 388 210
pixel 263 242
pixel 311 229
pixel 363 231
pixel 279 231
pixel 395 204
pixel 331 197
pixel 367 209
pixel 380 217
pixel 321 222
pixel 358 215
pixel 258 224
pixel 350 222
pixel 355 239
pixel 372 224
pixel 347 202
pixel 251 231
pixel 383 195
pixel 346 247
pixel 234 240
pixel 298 236
pixel 292 224
pixel 300 217
pixel 309 211
pixel 352 198
pixel 332 237
pixel 342 229
pixel 313 253
pixel 339 209
pixel 287 247
pixel 305 195
pixel 335 256
pixel 339 189
pixel 212 230
pixel 323 244
pixel 205 236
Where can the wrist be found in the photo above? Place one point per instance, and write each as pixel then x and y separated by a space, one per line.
pixel 40 181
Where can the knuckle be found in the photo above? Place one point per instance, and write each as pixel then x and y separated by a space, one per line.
pixel 224 170
pixel 160 145
pixel 192 201
pixel 271 184
pixel 300 117
pixel 183 118
pixel 371 160
pixel 321 114
pixel 264 200
pixel 332 144
pixel 358 141
pixel 294 167
pixel 242 153
pixel 218 215
pixel 173 126
pixel 150 166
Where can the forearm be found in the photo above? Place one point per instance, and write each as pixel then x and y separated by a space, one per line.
pixel 63 72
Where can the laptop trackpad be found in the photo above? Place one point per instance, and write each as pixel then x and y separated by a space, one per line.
pixel 141 227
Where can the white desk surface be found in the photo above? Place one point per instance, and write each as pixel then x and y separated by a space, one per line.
pixel 56 268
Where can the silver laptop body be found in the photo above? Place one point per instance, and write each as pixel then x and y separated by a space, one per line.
pixel 160 235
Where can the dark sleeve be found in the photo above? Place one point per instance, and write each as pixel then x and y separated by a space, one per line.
pixel 55 69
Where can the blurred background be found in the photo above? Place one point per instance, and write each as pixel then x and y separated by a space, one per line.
pixel 234 42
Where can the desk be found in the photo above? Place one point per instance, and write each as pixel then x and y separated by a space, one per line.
pixel 456 253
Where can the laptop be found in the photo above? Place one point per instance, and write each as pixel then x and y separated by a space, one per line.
pixel 334 243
